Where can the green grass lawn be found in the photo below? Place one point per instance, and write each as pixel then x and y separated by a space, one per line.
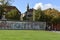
pixel 28 35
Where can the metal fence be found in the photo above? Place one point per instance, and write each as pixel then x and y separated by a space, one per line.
pixel 22 25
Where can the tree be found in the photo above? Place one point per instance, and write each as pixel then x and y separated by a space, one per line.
pixel 1 11
pixel 51 13
pixel 37 14
pixel 42 17
pixel 56 19
pixel 52 16
pixel 13 15
pixel 6 2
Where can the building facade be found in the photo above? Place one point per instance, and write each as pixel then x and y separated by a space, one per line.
pixel 29 14
pixel 7 9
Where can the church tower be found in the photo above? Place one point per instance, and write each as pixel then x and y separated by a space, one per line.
pixel 27 7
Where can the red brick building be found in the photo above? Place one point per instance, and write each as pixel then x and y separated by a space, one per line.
pixel 56 27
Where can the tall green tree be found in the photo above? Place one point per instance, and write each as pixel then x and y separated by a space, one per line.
pixel 42 17
pixel 37 14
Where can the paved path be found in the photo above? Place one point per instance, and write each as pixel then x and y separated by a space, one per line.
pixel 56 31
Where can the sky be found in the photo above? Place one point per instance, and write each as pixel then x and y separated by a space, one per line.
pixel 43 4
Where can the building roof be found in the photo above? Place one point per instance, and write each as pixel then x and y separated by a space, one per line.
pixel 30 10
pixel 9 8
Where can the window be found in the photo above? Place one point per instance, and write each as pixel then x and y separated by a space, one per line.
pixel 29 15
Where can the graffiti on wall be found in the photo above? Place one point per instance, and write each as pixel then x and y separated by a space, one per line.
pixel 22 25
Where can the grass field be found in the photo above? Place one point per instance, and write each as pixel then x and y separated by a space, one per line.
pixel 28 35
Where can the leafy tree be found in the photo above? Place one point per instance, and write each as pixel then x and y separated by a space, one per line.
pixel 51 13
pixel 42 17
pixel 37 15
pixel 13 15
pixel 56 19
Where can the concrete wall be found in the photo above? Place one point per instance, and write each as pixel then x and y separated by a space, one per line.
pixel 22 25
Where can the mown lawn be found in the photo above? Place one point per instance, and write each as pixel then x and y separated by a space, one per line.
pixel 28 35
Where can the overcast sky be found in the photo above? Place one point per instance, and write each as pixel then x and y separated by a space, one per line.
pixel 44 4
